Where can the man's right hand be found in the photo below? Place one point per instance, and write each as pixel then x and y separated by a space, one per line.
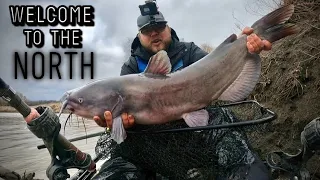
pixel 127 120
pixel 33 115
pixel 254 43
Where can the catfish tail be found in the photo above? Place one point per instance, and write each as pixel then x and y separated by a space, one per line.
pixel 273 26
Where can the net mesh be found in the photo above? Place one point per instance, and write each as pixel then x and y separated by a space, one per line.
pixel 201 154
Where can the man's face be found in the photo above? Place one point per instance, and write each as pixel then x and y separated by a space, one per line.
pixel 155 38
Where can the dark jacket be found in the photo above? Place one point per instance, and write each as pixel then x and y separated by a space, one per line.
pixel 188 51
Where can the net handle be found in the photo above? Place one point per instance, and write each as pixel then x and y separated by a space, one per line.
pixel 272 116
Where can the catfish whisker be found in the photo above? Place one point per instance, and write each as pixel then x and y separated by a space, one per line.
pixel 70 120
pixel 64 105
pixel 64 128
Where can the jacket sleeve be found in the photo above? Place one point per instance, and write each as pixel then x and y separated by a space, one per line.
pixel 129 67
pixel 196 53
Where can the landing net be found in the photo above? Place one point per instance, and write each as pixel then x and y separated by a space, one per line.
pixel 201 154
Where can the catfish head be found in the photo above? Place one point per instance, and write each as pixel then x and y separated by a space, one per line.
pixel 93 100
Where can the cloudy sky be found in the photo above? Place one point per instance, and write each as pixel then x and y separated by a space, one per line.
pixel 200 21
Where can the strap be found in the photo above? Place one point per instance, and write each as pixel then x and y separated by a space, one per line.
pixel 177 66
pixel 142 65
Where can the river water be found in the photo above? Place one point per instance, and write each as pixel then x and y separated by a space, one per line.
pixel 18 145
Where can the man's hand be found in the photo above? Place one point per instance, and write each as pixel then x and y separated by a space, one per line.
pixel 127 120
pixel 33 115
pixel 254 43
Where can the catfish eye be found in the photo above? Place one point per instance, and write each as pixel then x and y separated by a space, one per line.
pixel 80 100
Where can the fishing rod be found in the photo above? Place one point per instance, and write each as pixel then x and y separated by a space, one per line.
pixel 42 146
pixel 47 127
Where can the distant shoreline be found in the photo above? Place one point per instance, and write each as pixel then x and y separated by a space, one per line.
pixel 8 109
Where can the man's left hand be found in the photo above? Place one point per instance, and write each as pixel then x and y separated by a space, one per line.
pixel 127 120
pixel 254 43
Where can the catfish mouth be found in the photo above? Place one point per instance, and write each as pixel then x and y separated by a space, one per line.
pixel 71 106
pixel 74 108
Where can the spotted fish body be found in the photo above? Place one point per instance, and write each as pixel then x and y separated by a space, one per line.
pixel 157 96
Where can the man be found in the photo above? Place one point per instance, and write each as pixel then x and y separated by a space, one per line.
pixel 154 36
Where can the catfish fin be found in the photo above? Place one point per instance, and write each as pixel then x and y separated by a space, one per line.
pixel 118 132
pixel 273 26
pixel 159 64
pixel 196 118
pixel 245 82
pixel 227 41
